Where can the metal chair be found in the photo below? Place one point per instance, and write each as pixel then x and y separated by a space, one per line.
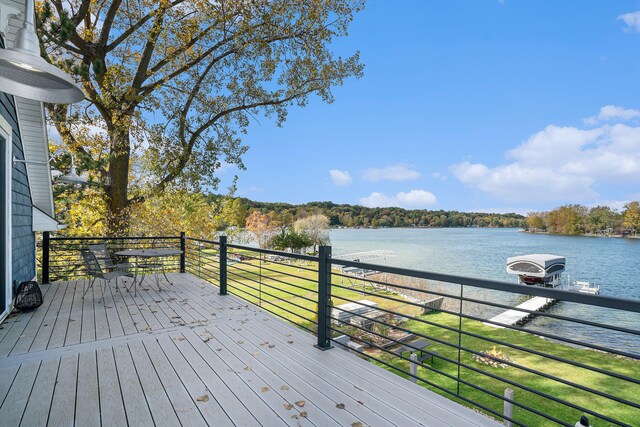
pixel 107 262
pixel 93 269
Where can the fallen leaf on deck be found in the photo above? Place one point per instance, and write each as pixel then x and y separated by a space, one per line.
pixel 288 406
pixel 264 343
pixel 360 402
pixel 295 417
pixel 180 338
pixel 303 414
pixel 271 345
pixel 264 389
pixel 340 406
pixel 218 349
pixel 248 368
pixel 300 403
pixel 290 342
pixel 256 354
pixel 357 424
pixel 240 341
pixel 284 387
pixel 203 398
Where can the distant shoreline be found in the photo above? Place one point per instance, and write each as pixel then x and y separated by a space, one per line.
pixel 617 236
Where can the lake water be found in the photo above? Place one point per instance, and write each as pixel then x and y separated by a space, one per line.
pixel 611 263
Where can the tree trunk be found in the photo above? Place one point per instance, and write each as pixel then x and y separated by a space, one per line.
pixel 117 188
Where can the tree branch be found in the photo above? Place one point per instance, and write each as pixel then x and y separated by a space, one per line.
pixel 134 27
pixel 186 155
pixel 108 22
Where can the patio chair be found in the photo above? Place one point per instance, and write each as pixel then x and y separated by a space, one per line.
pixel 108 262
pixel 93 269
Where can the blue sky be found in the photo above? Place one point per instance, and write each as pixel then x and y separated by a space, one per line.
pixel 476 105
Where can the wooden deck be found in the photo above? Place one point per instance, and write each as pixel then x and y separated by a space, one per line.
pixel 187 356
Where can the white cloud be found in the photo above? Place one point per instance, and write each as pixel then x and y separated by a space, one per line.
pixel 399 172
pixel 632 19
pixel 560 164
pixel 413 199
pixel 610 113
pixel 440 176
pixel 340 178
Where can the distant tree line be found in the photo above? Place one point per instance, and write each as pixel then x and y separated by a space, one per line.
pixel 579 219
pixel 342 215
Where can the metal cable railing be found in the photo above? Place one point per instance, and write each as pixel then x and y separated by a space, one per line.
pixel 579 354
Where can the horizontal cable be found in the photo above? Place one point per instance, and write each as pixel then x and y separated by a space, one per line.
pixel 504 343
pixel 274 279
pixel 278 271
pixel 277 298
pixel 271 252
pixel 273 287
pixel 512 327
pixel 468 350
pixel 579 297
pixel 498 414
pixel 495 304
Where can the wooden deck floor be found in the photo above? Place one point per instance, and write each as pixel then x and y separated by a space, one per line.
pixel 187 356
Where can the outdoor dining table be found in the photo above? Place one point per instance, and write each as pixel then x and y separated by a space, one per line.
pixel 148 254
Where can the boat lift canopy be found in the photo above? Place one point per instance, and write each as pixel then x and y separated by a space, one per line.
pixel 536 265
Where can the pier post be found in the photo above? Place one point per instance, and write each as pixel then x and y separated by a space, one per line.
pixel 508 407
pixel 413 367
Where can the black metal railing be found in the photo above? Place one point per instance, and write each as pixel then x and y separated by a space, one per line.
pixel 578 355
pixel 60 257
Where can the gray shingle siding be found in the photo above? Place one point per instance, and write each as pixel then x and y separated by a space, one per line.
pixel 23 238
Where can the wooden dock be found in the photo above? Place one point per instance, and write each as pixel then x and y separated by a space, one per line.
pixel 517 317
pixel 188 356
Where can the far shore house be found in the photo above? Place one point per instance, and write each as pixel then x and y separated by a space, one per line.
pixel 26 194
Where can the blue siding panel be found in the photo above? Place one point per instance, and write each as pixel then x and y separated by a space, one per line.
pixel 23 238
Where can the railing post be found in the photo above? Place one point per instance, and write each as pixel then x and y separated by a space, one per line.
pixel 324 298
pixel 183 254
pixel 45 256
pixel 223 265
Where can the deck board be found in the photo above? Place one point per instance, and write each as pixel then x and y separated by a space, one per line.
pixel 63 405
pixel 135 403
pixel 16 400
pixel 37 411
pixel 185 355
pixel 87 394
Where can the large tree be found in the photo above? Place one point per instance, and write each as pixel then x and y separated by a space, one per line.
pixel 170 85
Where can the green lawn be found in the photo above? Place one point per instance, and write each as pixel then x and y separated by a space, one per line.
pixel 290 291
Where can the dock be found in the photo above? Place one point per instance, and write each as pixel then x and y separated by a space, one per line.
pixel 517 317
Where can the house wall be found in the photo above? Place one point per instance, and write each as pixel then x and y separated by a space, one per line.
pixel 23 238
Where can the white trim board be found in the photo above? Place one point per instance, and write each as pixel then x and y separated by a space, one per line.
pixel 6 131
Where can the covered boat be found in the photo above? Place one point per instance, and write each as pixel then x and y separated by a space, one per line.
pixel 537 269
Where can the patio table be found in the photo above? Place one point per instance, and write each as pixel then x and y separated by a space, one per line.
pixel 158 254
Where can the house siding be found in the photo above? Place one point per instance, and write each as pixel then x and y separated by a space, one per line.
pixel 23 238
